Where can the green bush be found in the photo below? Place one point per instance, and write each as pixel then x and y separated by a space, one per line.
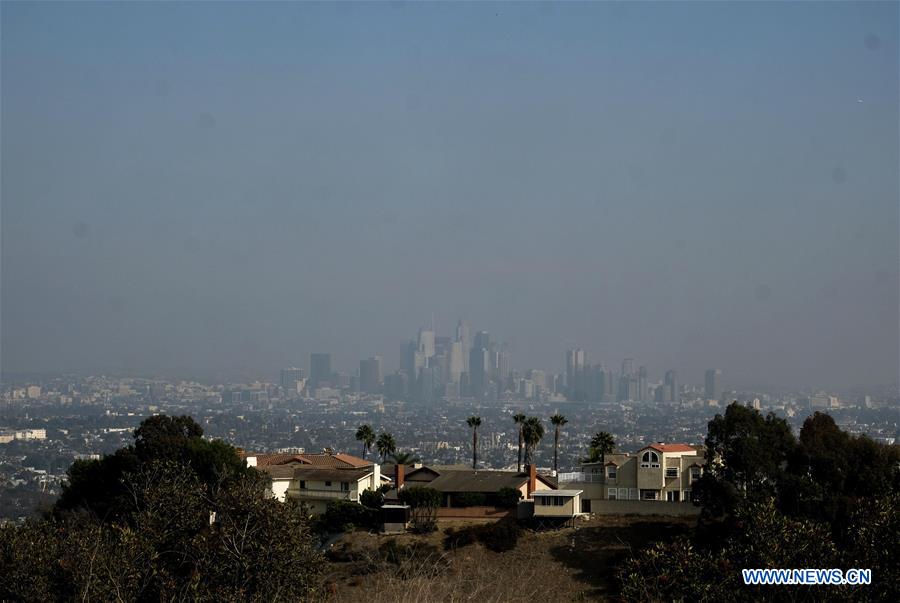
pixel 508 497
pixel 343 516
pixel 501 536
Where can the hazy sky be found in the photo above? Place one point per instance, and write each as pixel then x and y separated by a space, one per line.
pixel 212 187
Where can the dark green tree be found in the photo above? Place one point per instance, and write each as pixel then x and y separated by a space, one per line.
pixel 474 422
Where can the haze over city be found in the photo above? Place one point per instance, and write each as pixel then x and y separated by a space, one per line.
pixel 226 188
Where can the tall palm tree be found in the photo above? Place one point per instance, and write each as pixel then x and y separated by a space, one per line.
pixel 602 443
pixel 532 432
pixel 366 435
pixel 474 423
pixel 385 445
pixel 558 421
pixel 404 458
pixel 519 419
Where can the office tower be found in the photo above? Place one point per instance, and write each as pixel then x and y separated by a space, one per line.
pixel 457 365
pixel 482 341
pixel 479 370
pixel 290 377
pixel 671 387
pixel 574 374
pixel 370 375
pixel 628 367
pixel 426 342
pixel 539 378
pixel 427 384
pixel 642 383
pixel 713 385
pixel 462 336
pixel 319 369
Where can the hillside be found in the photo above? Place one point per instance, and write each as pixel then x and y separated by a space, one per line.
pixel 573 564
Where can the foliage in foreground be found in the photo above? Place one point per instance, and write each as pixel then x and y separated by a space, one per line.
pixel 177 526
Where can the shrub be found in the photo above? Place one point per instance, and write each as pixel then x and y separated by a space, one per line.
pixel 344 516
pixel 501 536
pixel 423 503
pixel 508 497
pixel 372 499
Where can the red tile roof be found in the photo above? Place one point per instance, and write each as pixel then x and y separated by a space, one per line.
pixel 671 447
pixel 335 461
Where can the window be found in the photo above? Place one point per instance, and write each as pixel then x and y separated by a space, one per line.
pixel 327 484
pixel 611 494
pixel 550 501
pixel 345 486
pixel 671 471
pixel 302 485
pixel 673 496
pixel 611 472
pixel 649 494
pixel 632 493
pixel 695 473
pixel 586 505
pixel 649 459
pixel 688 496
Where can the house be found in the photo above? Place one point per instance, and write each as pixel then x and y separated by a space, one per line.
pixel 557 505
pixel 459 485
pixel 658 472
pixel 317 479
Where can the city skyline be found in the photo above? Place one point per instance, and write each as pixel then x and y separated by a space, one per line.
pixel 643 180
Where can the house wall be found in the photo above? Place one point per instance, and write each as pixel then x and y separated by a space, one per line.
pixel 279 488
pixel 569 509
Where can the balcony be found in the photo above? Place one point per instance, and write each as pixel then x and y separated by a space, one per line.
pixel 306 493
pixel 580 478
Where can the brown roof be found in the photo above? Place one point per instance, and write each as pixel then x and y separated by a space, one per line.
pixel 306 472
pixel 456 480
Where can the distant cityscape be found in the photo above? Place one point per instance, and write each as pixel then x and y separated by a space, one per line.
pixel 47 422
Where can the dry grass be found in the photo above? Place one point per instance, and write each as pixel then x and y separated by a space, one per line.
pixel 573 564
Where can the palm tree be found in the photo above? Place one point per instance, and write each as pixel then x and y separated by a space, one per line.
pixel 474 423
pixel 602 443
pixel 558 421
pixel 519 419
pixel 385 445
pixel 366 435
pixel 404 458
pixel 532 432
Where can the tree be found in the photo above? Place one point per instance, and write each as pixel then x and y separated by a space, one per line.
pixel 558 421
pixel 98 487
pixel 404 458
pixel 532 433
pixel 366 435
pixel 748 453
pixel 423 503
pixel 474 422
pixel 602 444
pixel 385 445
pixel 519 420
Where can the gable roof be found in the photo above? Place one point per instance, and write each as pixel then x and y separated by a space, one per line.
pixel 339 460
pixel 467 480
pixel 306 472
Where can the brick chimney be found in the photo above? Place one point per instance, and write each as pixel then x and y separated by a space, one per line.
pixel 532 479
pixel 399 471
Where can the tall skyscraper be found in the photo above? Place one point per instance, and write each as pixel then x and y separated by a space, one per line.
pixel 426 342
pixel 370 375
pixel 712 390
pixel 319 369
pixel 457 364
pixel 628 367
pixel 671 393
pixel 479 370
pixel 643 392
pixel 574 374
pixel 462 336
pixel 482 341
pixel 290 377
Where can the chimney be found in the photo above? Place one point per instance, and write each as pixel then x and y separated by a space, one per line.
pixel 399 471
pixel 532 479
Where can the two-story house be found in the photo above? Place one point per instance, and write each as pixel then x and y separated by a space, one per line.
pixel 317 479
pixel 658 472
